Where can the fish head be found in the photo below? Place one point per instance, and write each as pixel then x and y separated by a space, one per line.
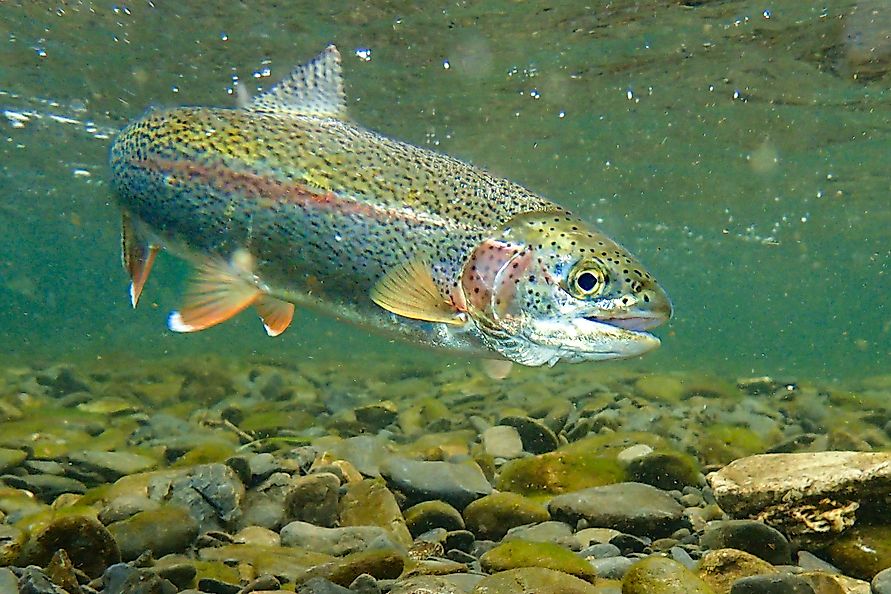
pixel 546 288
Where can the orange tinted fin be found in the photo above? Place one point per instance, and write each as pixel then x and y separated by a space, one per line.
pixel 214 295
pixel 275 313
pixel 137 255
pixel 410 291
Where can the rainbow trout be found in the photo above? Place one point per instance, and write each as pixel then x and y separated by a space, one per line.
pixel 286 201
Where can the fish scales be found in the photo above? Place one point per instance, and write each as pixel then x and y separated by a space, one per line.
pixel 313 209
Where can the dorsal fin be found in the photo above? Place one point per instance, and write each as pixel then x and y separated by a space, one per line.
pixel 315 88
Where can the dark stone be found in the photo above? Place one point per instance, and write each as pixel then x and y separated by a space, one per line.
pixel 169 529
pixel 214 586
pixel 88 543
pixel 750 536
pixel 264 582
pixel 428 515
pixel 179 574
pixel 629 544
pixel 456 484
pixel 634 508
pixel 537 437
pixel 459 539
pixel 779 583
pixel 365 584
pixel 314 498
pixel 34 581
pixel 46 486
pixel 664 470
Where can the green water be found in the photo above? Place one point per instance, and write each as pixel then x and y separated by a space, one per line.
pixel 742 154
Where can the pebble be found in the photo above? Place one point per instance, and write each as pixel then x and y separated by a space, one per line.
pixel 88 543
pixel 111 465
pixel 46 486
pixel 456 484
pixel 370 503
pixel 611 568
pixel 336 541
pixel 549 531
pixel 534 580
pixel 314 498
pixel 501 441
pixel 517 553
pixel 321 586
pixel 168 529
pixel 753 537
pixel 629 507
pixel 426 584
pixel 721 568
pixel 660 575
pixel 428 515
pixel 881 582
pixel 9 583
pixel 492 516
pixel 537 438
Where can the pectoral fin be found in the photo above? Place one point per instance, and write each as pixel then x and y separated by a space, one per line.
pixel 275 313
pixel 410 291
pixel 213 296
pixel 137 255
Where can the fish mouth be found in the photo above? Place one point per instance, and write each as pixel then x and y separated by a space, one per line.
pixel 638 322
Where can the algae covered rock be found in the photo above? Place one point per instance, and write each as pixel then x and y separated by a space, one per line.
pixel 381 564
pixel 314 498
pixel 371 503
pixel 428 515
pixel 722 567
pixel 519 553
pixel 558 472
pixel 169 529
pixel 862 551
pixel 660 575
pixel 89 545
pixel 665 470
pixel 534 580
pixel 493 515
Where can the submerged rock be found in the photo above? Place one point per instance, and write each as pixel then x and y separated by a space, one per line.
pixel 371 503
pixel 493 515
pixel 518 553
pixel 534 580
pixel 558 472
pixel 336 541
pixel 753 537
pixel 428 515
pixel 456 484
pixel 169 529
pixel 212 493
pixel 90 546
pixel 722 567
pixel 660 575
pixel 628 507
pixel 313 498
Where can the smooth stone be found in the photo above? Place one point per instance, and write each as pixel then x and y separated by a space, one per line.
pixel 751 536
pixel 549 531
pixel 611 568
pixel 456 484
pixel 792 486
pixel 534 580
pixel 314 498
pixel 664 470
pixel 382 564
pixel 10 458
pixel 215 586
pixel 722 567
pixel 375 417
pixel 370 503
pixel 518 553
pixel 862 551
pixel 502 441
pixel 9 583
pixel 180 574
pixel 290 563
pixel 660 575
pixel 881 582
pixel 461 540
pixel 629 507
pixel 601 550
pixel 558 472
pixel 492 516
pixel 425 584
pixel 88 543
pixel 112 465
pixel 121 508
pixel 782 583
pixel 336 541
pixel 428 515
pixel 537 438
pixel 45 486
pixel 589 536
pixel 257 535
pixel 321 586
pixel 631 453
pixel 212 493
pixel 365 452
pixel 169 529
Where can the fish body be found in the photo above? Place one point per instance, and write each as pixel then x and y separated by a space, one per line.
pixel 286 201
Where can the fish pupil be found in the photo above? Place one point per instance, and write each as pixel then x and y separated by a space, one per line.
pixel 586 281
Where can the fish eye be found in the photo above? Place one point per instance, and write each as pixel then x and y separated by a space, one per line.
pixel 586 281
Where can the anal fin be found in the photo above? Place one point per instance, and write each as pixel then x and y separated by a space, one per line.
pixel 275 313
pixel 137 256
pixel 410 291
pixel 213 296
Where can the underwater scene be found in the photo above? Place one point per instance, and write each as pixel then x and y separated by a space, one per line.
pixel 445 297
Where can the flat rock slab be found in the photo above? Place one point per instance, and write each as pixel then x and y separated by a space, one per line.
pixel 628 507
pixel 456 484
pixel 804 493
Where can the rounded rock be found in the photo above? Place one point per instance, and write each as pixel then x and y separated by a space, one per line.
pixel 88 543
pixel 537 437
pixel 533 580
pixel 428 515
pixel 751 536
pixel 783 583
pixel 493 515
pixel 518 553
pixel 169 529
pixel 660 575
